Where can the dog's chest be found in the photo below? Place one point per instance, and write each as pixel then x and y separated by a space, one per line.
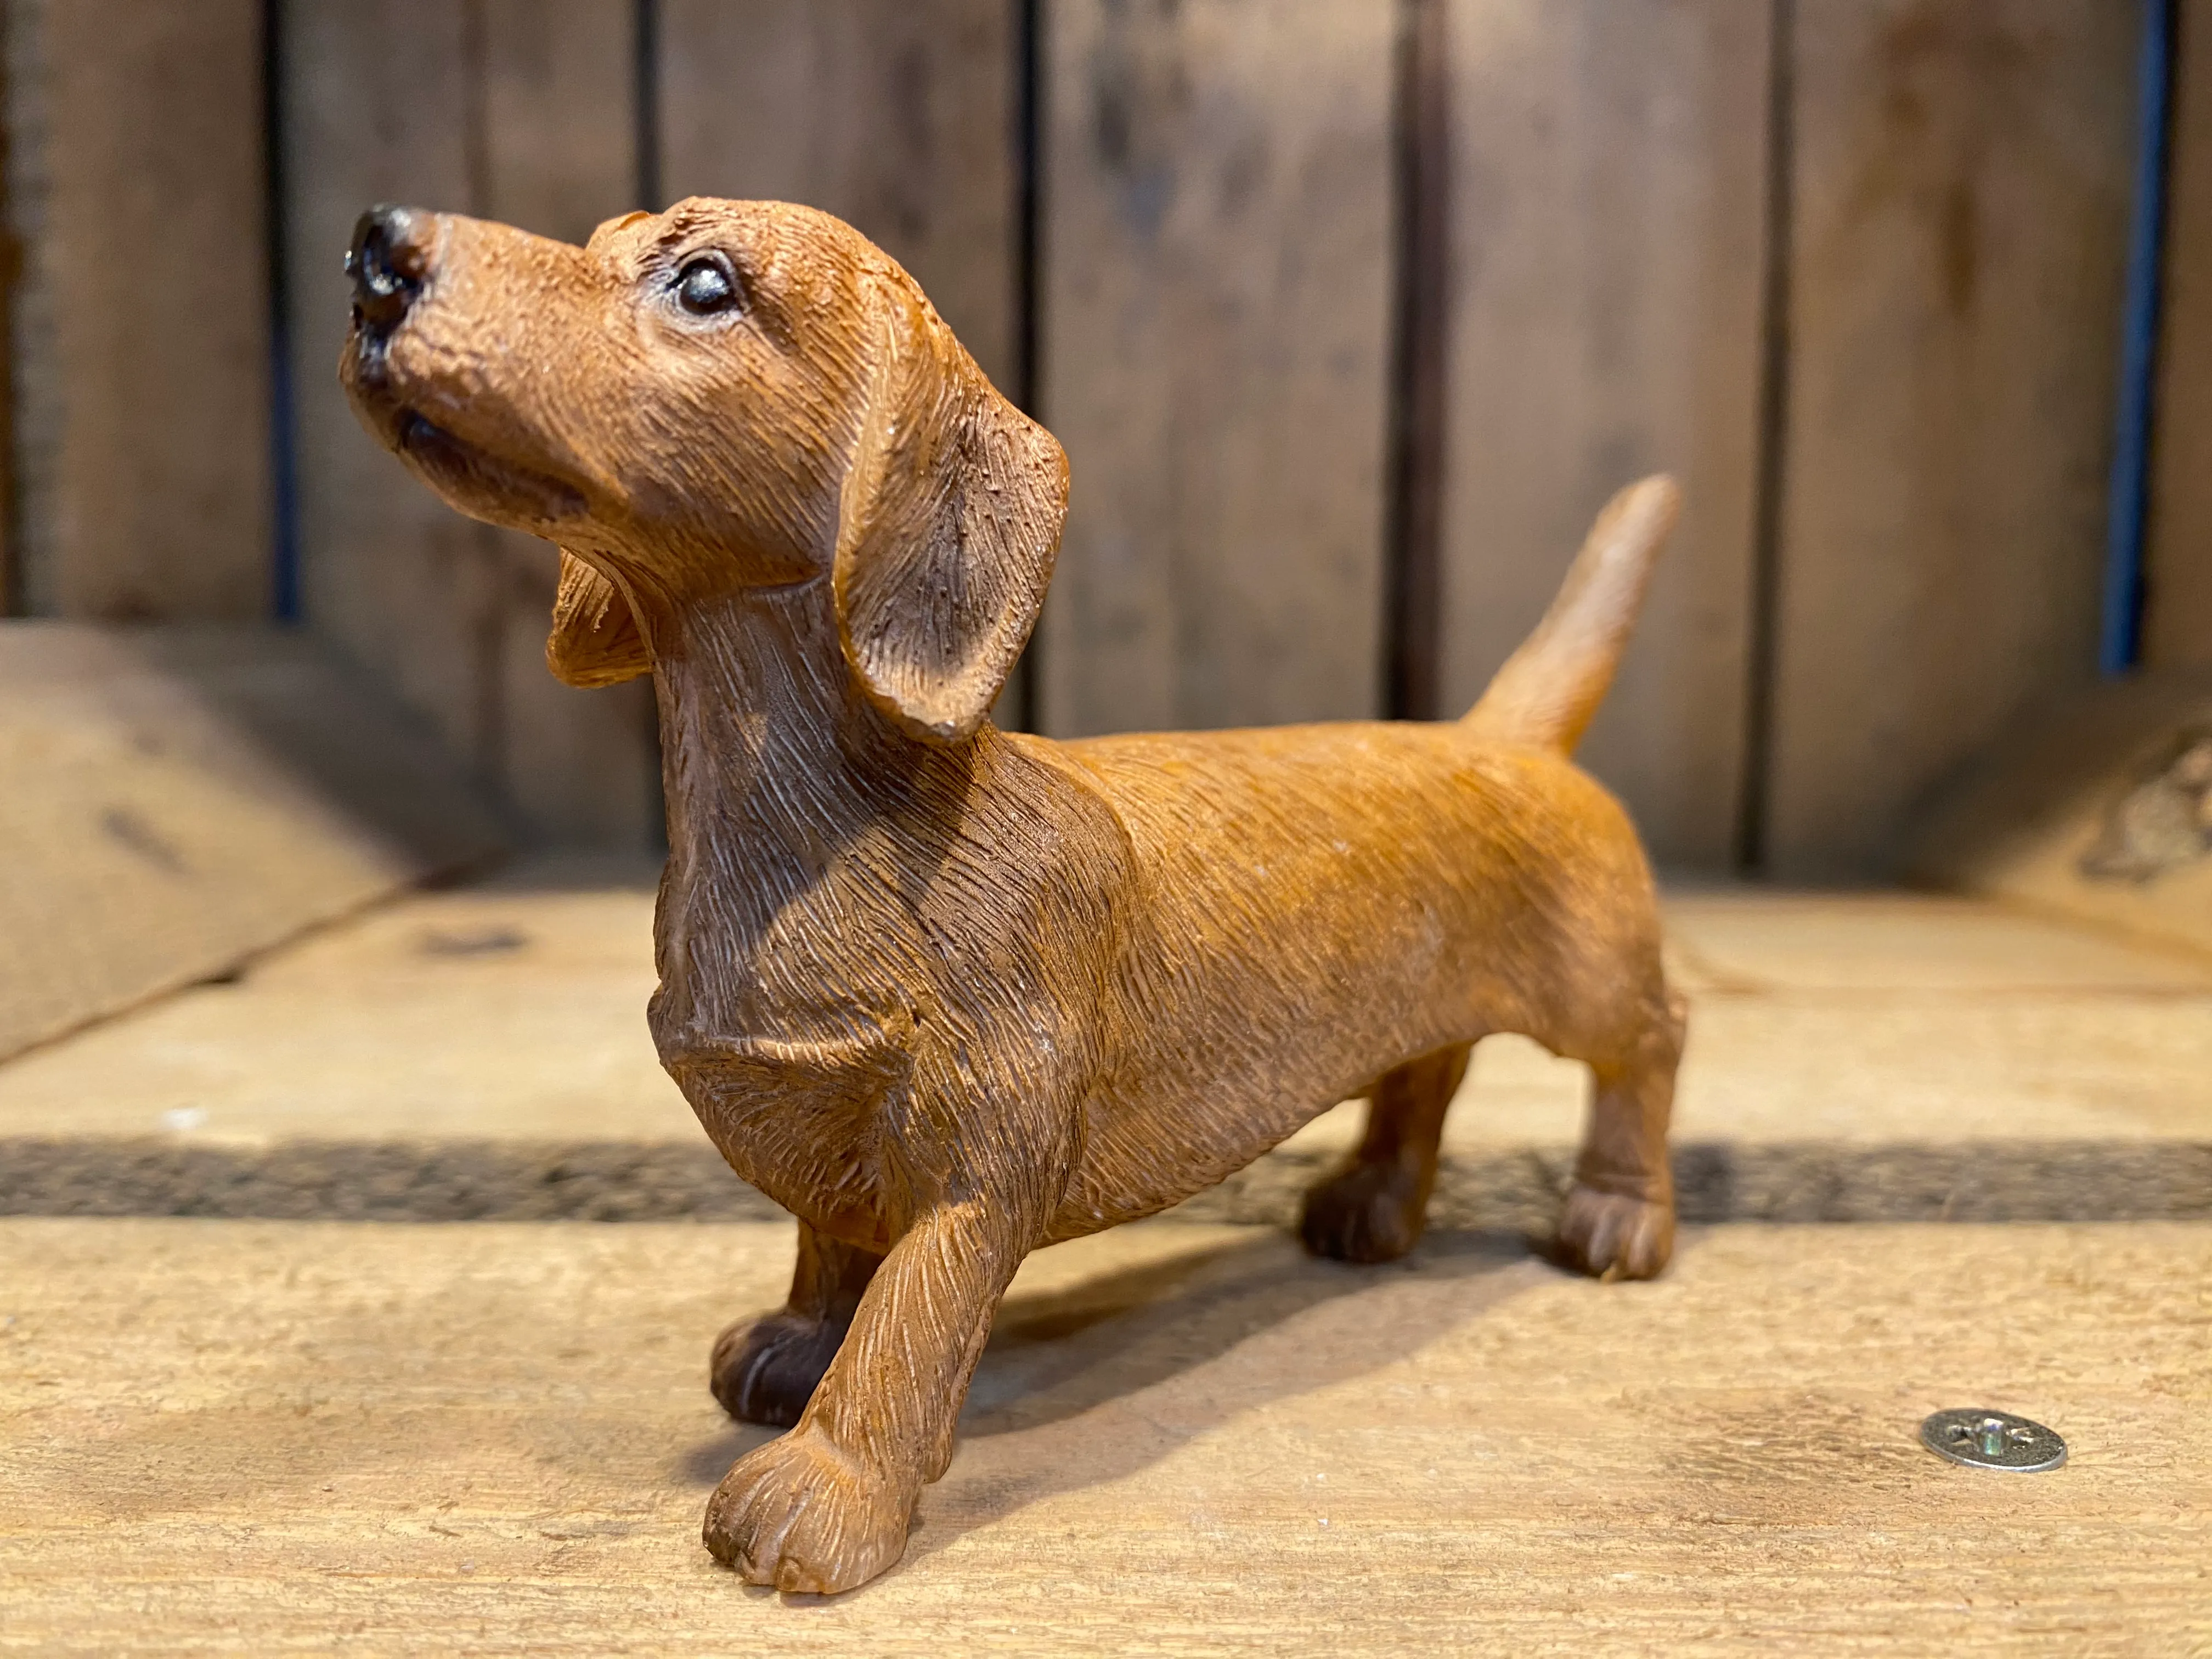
pixel 783 1015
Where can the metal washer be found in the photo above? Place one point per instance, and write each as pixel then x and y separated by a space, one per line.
pixel 1993 1440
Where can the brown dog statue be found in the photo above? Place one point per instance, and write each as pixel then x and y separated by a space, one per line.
pixel 947 992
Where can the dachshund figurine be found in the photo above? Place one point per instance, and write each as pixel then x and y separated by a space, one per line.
pixel 946 993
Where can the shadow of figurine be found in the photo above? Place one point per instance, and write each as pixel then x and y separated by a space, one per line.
pixel 1087 1384
pixel 1053 1408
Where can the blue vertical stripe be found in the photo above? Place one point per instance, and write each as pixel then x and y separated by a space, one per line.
pixel 283 472
pixel 285 596
pixel 2131 483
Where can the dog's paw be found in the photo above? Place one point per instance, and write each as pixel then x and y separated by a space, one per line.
pixel 1369 1212
pixel 764 1370
pixel 1616 1235
pixel 797 1513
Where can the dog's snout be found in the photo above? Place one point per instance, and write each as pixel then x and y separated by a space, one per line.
pixel 388 261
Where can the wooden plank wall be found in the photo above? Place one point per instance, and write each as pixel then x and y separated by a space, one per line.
pixel 141 334
pixel 895 115
pixel 1215 271
pixel 1216 330
pixel 520 110
pixel 2178 562
pixel 1961 190
pixel 1608 188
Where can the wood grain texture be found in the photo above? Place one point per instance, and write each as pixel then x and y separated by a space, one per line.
pixel 1216 349
pixel 489 107
pixel 172 803
pixel 378 108
pixel 895 115
pixel 1962 184
pixel 560 140
pixel 20 188
pixel 142 341
pixel 1607 173
pixel 477 1053
pixel 2177 622
pixel 494 1439
pixel 1514 1189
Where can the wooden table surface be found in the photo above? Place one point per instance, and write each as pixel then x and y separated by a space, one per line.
pixel 257 1435
pixel 1185 1439
pixel 482 1053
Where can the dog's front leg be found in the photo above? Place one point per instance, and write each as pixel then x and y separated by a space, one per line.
pixel 826 1507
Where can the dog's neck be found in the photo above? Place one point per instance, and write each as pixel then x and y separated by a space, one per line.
pixel 771 752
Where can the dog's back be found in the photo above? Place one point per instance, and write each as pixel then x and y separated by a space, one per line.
pixel 1319 905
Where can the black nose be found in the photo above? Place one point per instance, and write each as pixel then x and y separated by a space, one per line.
pixel 389 259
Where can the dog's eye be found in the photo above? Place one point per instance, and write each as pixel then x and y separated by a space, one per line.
pixel 704 287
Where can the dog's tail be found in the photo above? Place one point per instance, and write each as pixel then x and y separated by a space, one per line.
pixel 1549 688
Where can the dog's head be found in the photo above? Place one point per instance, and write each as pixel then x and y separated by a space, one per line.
pixel 727 396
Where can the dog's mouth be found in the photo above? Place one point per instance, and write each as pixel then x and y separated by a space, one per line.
pixel 457 467
pixel 472 477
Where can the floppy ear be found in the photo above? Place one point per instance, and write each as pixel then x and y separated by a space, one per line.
pixel 594 640
pixel 948 524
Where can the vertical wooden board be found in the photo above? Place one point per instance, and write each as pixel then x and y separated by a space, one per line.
pixel 26 391
pixel 1962 182
pixel 1216 296
pixel 2177 558
pixel 1607 172
pixel 560 154
pixel 580 767
pixel 560 126
pixel 895 115
pixel 377 107
pixel 150 494
pixel 518 112
pixel 172 802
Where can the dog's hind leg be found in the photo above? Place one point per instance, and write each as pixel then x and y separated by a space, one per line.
pixel 1619 1219
pixel 1372 1208
pixel 765 1370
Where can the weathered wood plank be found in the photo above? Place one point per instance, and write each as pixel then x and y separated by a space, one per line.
pixel 895 115
pixel 1962 182
pixel 2177 624
pixel 1216 337
pixel 413 1439
pixel 1606 177
pixel 559 129
pixel 144 335
pixel 516 112
pixel 480 1053
pixel 15 33
pixel 560 138
pixel 376 108
pixel 171 802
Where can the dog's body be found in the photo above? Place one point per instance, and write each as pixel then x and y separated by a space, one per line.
pixel 1186 946
pixel 948 993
